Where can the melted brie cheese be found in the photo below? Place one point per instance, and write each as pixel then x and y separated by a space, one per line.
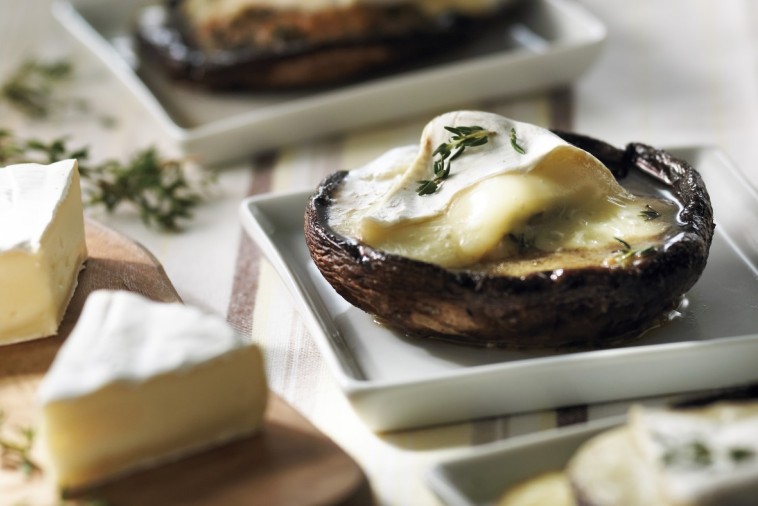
pixel 497 202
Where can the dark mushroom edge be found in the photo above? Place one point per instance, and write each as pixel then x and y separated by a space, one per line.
pixel 581 307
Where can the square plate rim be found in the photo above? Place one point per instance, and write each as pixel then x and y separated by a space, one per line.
pixel 437 476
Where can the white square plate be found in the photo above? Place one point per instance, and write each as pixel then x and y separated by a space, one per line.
pixel 482 475
pixel 714 343
pixel 549 43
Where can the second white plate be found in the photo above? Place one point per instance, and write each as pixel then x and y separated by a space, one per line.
pixel 396 382
pixel 482 475
pixel 551 42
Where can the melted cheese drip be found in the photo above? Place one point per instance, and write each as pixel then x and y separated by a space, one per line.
pixel 497 203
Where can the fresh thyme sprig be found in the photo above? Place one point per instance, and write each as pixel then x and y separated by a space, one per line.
pixel 463 137
pixel 515 144
pixel 30 88
pixel 161 190
pixel 649 213
pixel 15 453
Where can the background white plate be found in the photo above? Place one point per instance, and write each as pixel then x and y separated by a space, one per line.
pixel 481 476
pixel 552 42
pixel 713 344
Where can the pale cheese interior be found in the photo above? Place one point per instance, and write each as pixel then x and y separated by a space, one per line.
pixel 126 426
pixel 38 283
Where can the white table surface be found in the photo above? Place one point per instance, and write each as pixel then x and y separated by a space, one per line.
pixel 673 73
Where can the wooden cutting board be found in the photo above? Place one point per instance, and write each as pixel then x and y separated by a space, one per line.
pixel 289 463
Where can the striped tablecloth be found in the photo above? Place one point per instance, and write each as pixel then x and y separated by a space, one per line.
pixel 679 72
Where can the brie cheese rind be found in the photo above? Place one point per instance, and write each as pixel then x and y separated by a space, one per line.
pixel 554 196
pixel 139 382
pixel 696 457
pixel 42 247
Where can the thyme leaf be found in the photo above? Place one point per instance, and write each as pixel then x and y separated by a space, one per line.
pixel 515 144
pixel 739 454
pixel 649 213
pixel 463 137
pixel 160 189
pixel 692 454
pixel 627 252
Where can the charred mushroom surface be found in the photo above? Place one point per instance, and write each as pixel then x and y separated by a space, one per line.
pixel 587 306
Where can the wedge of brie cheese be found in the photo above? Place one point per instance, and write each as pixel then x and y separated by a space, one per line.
pixel 139 382
pixel 526 188
pixel 42 247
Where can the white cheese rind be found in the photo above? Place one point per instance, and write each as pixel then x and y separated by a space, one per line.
pixel 497 157
pixel 138 383
pixel 30 195
pixel 124 337
pixel 42 247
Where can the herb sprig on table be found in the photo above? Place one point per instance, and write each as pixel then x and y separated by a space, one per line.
pixel 160 189
pixel 15 452
pixel 30 88
pixel 35 88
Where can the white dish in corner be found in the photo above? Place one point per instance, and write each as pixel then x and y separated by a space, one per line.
pixel 550 43
pixel 714 343
pixel 480 476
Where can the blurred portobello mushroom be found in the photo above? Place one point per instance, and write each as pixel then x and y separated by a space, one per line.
pixel 255 44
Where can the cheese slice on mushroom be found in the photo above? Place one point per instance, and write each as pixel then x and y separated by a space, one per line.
pixel 525 188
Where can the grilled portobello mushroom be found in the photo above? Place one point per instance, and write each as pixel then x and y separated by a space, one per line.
pixel 259 45
pixel 587 297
